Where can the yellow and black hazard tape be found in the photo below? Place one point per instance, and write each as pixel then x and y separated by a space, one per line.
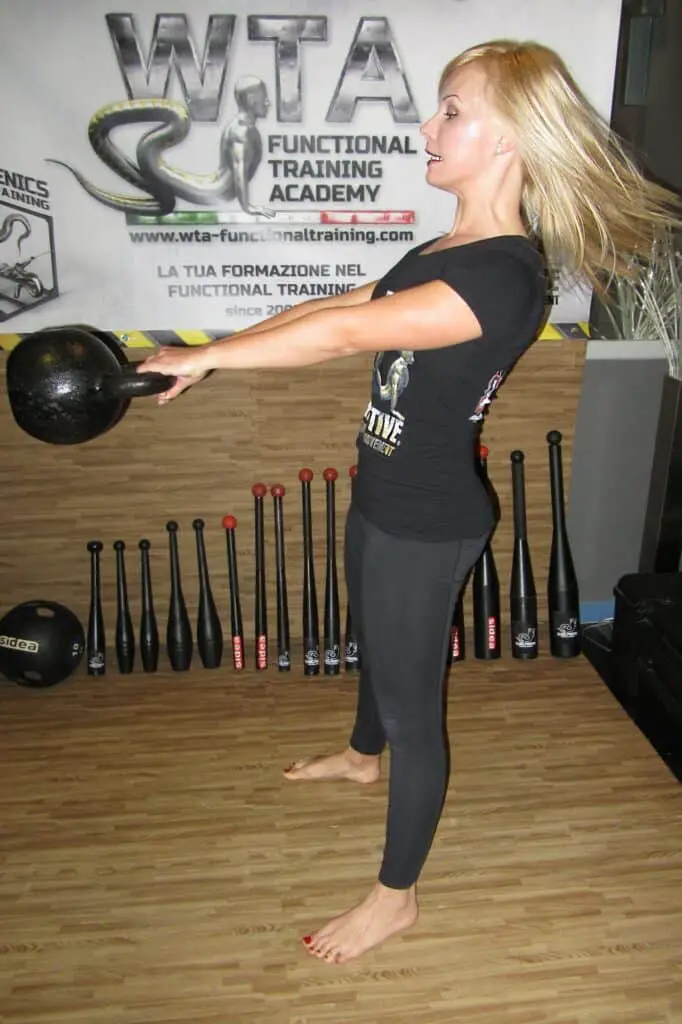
pixel 140 339
pixel 151 339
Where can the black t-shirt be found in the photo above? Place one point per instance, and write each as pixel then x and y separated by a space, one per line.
pixel 417 474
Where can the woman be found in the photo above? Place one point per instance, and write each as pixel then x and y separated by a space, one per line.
pixel 533 168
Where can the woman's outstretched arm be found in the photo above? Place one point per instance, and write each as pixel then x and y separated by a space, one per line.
pixel 430 315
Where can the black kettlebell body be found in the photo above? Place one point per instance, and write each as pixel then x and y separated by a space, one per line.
pixel 68 385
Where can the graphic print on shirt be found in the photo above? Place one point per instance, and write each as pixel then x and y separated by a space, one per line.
pixel 487 396
pixel 397 378
pixel 381 430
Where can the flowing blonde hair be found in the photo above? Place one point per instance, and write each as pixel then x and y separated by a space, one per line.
pixel 583 196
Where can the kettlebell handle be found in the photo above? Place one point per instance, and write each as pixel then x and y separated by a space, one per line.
pixel 131 384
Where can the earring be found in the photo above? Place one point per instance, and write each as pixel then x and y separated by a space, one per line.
pixel 498 149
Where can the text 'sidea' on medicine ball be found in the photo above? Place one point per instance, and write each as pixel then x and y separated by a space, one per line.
pixel 41 643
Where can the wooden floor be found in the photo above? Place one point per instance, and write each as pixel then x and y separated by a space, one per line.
pixel 157 868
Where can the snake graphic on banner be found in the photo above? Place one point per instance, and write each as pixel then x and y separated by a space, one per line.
pixel 240 152
pixel 8 223
pixel 23 280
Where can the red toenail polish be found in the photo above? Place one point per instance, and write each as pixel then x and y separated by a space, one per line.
pixel 307 939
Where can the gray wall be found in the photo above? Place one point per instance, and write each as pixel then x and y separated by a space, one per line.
pixel 653 124
pixel 662 143
pixel 613 450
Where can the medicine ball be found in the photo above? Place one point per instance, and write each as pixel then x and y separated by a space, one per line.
pixel 41 643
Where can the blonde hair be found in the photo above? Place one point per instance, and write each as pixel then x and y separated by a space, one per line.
pixel 583 196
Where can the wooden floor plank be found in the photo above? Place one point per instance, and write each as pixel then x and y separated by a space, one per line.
pixel 157 868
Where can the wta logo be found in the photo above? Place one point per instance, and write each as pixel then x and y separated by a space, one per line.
pixel 15 643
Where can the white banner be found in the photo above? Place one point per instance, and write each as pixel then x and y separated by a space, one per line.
pixel 203 170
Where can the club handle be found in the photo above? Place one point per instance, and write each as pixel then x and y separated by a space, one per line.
pixel 283 632
pixel 124 636
pixel 229 524
pixel 556 477
pixel 149 631
pixel 519 493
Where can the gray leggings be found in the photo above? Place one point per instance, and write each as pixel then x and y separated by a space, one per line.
pixel 402 596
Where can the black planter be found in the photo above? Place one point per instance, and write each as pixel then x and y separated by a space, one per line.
pixel 662 535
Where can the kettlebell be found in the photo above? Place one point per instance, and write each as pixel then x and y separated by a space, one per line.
pixel 68 385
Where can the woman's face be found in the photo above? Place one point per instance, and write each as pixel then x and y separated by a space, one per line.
pixel 462 136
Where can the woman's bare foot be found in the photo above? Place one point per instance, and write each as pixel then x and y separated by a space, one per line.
pixel 349 764
pixel 383 913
